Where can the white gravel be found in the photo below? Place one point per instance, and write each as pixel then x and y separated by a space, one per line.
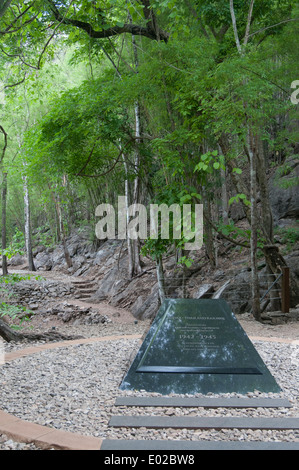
pixel 74 389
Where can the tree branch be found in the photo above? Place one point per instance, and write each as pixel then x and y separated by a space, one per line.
pixel 131 139
pixel 110 169
pixel 89 157
pixel 105 33
pixel 246 37
pixel 272 26
pixel 8 29
pixel 5 144
pixel 265 79
pixel 234 242
pixel 16 84
pixel 232 12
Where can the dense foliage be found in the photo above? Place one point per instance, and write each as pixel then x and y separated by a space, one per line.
pixel 166 101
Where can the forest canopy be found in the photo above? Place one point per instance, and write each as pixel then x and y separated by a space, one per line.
pixel 161 101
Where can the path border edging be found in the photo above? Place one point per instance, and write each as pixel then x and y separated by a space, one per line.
pixel 45 437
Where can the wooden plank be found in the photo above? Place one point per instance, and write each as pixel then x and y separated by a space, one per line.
pixel 194 422
pixel 203 402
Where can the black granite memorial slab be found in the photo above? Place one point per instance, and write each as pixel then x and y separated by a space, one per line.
pixel 198 346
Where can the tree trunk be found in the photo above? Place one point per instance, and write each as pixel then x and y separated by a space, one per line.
pixel 8 334
pixel 4 201
pixel 27 226
pixel 137 269
pixel 160 279
pixel 254 226
pixel 267 218
pixel 129 244
pixel 234 23
pixel 224 200
pixel 62 232
pixel 209 232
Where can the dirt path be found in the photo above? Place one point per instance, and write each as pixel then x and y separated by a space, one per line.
pixel 124 317
pixel 116 315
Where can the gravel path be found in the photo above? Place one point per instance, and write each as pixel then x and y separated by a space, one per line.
pixel 74 388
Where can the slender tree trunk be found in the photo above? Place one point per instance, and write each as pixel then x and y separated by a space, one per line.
pixel 224 200
pixel 62 231
pixel 137 269
pixel 234 22
pixel 254 226
pixel 209 232
pixel 129 244
pixel 160 279
pixel 4 202
pixel 267 218
pixel 28 242
pixel 249 18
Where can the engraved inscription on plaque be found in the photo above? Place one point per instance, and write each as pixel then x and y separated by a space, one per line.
pixel 197 345
pixel 189 341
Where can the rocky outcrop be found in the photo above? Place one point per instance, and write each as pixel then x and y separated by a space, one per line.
pixel 101 274
pixel 77 315
pixel 284 191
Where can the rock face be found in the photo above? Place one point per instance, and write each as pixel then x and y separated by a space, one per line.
pixel 137 294
pixel 106 267
pixel 236 291
pixel 204 291
pixel 284 190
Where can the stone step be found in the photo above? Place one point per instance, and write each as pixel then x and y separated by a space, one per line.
pixel 83 296
pixel 87 291
pixel 119 444
pixel 194 422
pixel 203 402
pixel 82 285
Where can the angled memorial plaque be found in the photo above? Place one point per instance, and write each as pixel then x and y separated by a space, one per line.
pixel 198 346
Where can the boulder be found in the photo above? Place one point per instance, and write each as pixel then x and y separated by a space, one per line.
pixel 106 254
pixel 110 285
pixel 237 292
pixel 38 249
pixel 204 292
pixel 146 307
pixel 57 256
pixel 43 261
pixel 17 260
